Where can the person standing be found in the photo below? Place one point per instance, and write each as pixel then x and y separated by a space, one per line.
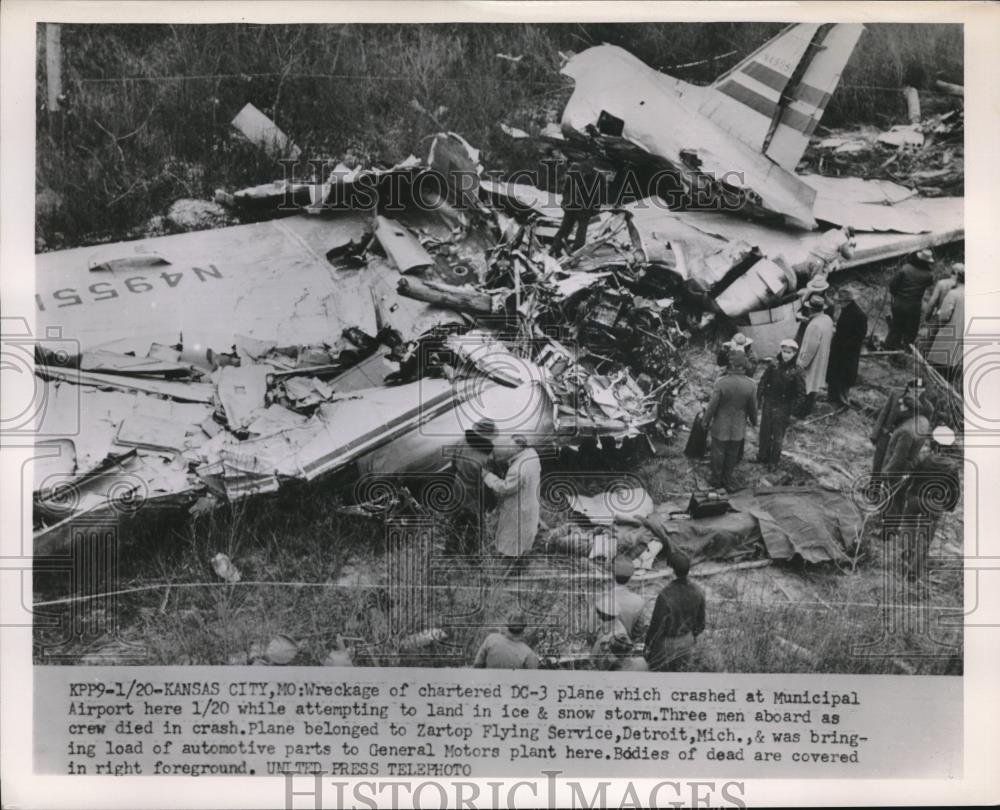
pixel 930 490
pixel 738 343
pixel 628 605
pixel 904 451
pixel 814 354
pixel 845 347
pixel 899 405
pixel 678 619
pixel 469 459
pixel 611 639
pixel 946 351
pixel 732 406
pixel 780 393
pixel 518 494
pixel 582 193
pixel 941 289
pixel 507 649
pixel 909 437
pixel 908 287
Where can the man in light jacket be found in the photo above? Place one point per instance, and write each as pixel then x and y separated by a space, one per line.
pixel 518 493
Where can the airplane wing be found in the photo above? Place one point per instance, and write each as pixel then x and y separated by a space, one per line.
pixel 773 100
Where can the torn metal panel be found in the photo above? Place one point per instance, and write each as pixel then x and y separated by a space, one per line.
pixel 489 356
pixel 454 159
pixel 261 130
pixel 269 281
pixel 525 198
pixel 669 119
pixel 152 433
pixel 241 390
pixel 527 409
pixel 107 362
pixel 858 190
pixel 401 246
pixel 181 391
pixel 794 247
pixel 762 283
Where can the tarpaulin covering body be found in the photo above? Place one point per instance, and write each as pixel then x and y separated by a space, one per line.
pixel 813 523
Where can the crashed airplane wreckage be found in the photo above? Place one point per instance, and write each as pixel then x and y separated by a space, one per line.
pixel 356 337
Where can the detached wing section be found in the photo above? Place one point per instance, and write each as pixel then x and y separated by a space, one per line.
pixel 774 99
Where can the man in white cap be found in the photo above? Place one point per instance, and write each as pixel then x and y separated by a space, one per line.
pixel 780 393
pixel 814 353
pixel 908 287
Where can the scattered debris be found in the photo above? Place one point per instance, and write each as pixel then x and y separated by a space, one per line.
pixel 224 568
pixel 300 346
pixel 262 131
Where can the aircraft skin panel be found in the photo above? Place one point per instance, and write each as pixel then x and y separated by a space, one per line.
pixel 663 116
pixel 811 95
pixel 744 100
pixel 268 280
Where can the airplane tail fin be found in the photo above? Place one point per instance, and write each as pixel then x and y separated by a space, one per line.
pixel 774 99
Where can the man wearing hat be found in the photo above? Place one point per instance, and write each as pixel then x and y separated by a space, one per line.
pixel 678 619
pixel 732 406
pixel 814 351
pixel 738 343
pixel 507 649
pixel 908 287
pixel 780 393
pixel 469 459
pixel 845 348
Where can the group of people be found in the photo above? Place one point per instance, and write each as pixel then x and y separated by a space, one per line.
pixel 918 485
pixel 823 353
pixel 943 312
pixel 503 477
pixel 627 632
pixel 826 352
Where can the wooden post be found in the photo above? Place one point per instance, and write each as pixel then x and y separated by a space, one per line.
pixel 53 79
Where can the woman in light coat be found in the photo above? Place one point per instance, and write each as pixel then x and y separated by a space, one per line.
pixel 814 353
pixel 518 493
